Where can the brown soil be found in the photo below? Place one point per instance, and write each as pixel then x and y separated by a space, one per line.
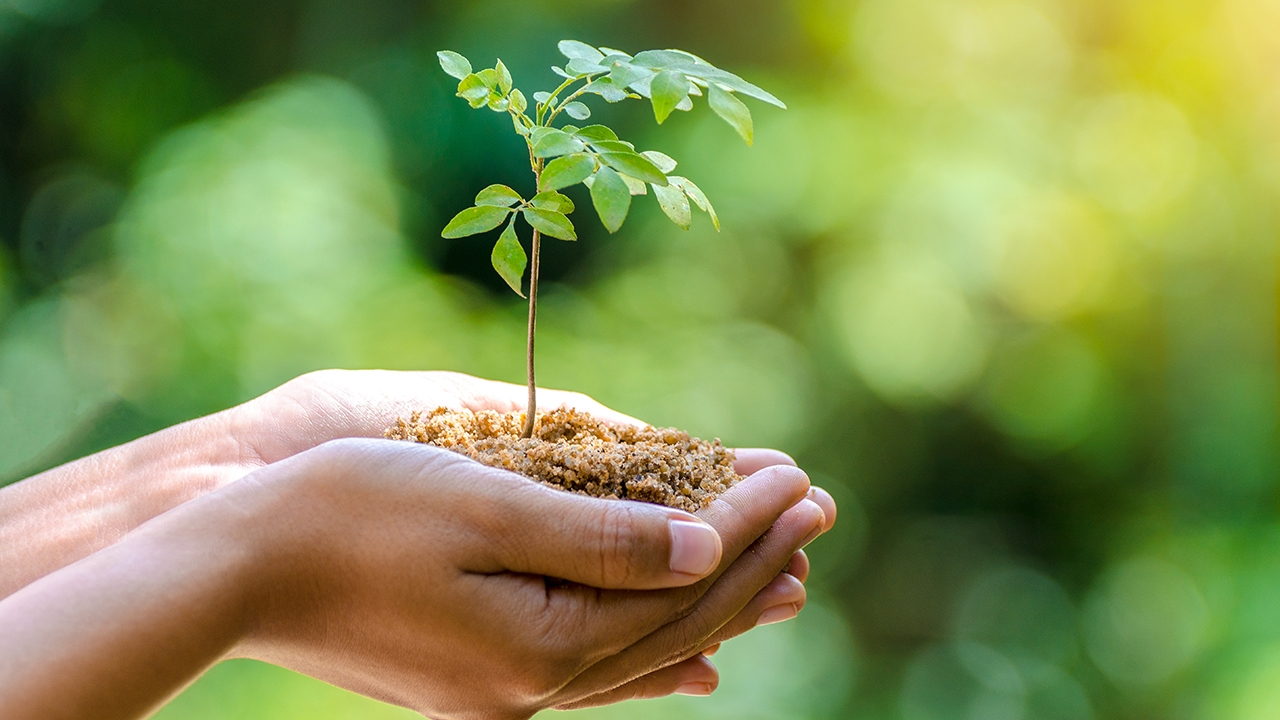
pixel 573 451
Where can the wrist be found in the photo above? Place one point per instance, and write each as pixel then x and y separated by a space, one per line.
pixel 53 519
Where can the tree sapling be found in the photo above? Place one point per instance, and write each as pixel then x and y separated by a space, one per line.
pixel 614 171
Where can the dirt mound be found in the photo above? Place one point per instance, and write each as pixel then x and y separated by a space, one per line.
pixel 573 451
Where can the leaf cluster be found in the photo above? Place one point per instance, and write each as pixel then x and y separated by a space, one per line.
pixel 612 169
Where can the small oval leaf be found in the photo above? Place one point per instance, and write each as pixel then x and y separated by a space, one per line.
pixel 498 196
pixel 698 197
pixel 575 50
pixel 664 162
pixel 518 101
pixel 567 170
pixel 592 133
pixel 668 89
pixel 552 200
pixel 473 88
pixel 504 77
pixel 474 220
pixel 509 259
pixel 733 111
pixel 674 204
pixel 454 64
pixel 577 111
pixel 555 142
pixel 634 165
pixel 611 198
pixel 551 223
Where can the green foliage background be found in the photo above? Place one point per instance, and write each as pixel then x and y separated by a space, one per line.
pixel 1003 278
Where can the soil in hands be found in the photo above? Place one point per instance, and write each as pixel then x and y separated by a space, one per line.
pixel 573 451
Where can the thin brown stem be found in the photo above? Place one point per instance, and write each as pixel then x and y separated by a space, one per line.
pixel 531 411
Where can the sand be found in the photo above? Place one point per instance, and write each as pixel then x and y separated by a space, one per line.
pixel 573 451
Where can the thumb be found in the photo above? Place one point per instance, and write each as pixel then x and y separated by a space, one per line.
pixel 610 544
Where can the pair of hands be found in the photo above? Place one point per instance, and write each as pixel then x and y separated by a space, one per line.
pixel 408 573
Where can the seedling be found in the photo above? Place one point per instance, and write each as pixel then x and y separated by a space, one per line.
pixel 594 155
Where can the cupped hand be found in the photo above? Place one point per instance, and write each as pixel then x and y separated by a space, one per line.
pixel 417 576
pixel 331 404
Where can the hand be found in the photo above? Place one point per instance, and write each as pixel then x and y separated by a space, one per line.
pixel 60 516
pixel 407 573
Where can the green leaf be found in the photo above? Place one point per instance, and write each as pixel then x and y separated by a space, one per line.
pixel 561 73
pixel 520 128
pixel 498 196
pixel 454 64
pixel 504 77
pixel 578 67
pixel 674 204
pixel 552 223
pixel 607 89
pixel 497 103
pixel 474 220
pixel 509 258
pixel 634 165
pixel 592 133
pixel 621 146
pixel 611 198
pixel 552 200
pixel 610 51
pixel 541 97
pixel 518 101
pixel 733 111
pixel 490 77
pixel 637 187
pixel 567 170
pixel 556 142
pixel 473 89
pixel 577 111
pixel 664 162
pixel 624 74
pixel 698 197
pixel 668 89
pixel 696 67
pixel 575 50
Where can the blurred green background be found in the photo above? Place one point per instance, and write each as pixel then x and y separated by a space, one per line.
pixel 1003 278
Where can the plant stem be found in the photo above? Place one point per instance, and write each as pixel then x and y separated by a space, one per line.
pixel 531 411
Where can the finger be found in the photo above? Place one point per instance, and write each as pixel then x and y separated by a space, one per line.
pixel 748 461
pixel 731 593
pixel 606 544
pixel 798 566
pixel 780 600
pixel 783 592
pixel 747 510
pixel 739 517
pixel 612 621
pixel 695 676
pixel 827 503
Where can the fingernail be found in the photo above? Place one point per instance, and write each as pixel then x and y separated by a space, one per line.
pixel 818 496
pixel 777 614
pixel 695 548
pixel 817 530
pixel 711 650
pixel 694 688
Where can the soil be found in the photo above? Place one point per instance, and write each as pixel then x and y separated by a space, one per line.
pixel 575 452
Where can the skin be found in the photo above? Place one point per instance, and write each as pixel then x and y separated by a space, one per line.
pixel 400 571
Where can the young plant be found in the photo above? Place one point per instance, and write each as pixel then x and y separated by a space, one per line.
pixel 593 155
